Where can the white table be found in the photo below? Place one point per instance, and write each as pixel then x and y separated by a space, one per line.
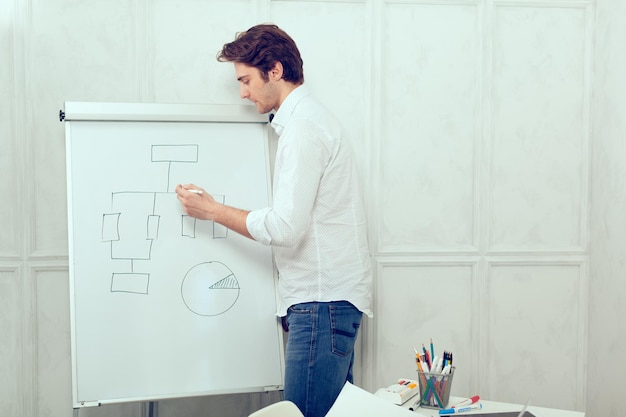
pixel 494 407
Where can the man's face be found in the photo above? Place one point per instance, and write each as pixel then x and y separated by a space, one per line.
pixel 264 94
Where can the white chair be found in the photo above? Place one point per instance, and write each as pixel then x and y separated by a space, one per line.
pixel 280 409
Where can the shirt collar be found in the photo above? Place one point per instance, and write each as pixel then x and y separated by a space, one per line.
pixel 282 116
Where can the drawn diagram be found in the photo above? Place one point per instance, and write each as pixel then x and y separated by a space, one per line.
pixel 210 289
pixel 133 225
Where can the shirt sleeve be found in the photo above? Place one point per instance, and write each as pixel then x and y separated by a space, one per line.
pixel 300 163
pixel 254 223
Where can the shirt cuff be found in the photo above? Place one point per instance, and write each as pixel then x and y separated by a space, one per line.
pixel 255 222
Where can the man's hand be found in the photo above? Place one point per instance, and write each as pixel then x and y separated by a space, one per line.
pixel 201 205
pixel 196 201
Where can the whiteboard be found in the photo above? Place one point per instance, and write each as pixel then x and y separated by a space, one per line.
pixel 164 305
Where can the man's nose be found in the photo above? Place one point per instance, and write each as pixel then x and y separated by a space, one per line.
pixel 243 92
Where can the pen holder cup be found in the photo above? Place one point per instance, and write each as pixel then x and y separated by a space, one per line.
pixel 435 389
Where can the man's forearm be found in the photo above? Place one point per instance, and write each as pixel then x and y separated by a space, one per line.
pixel 233 218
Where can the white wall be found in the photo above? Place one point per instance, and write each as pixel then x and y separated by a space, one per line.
pixel 607 290
pixel 482 211
pixel 471 120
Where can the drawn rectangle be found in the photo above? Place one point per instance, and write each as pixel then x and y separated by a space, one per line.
pixel 110 231
pixel 188 226
pixel 130 282
pixel 174 153
pixel 153 226
pixel 219 231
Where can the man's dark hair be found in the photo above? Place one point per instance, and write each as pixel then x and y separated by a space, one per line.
pixel 261 47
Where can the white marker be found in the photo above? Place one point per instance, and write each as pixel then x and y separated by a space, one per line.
pixel 195 191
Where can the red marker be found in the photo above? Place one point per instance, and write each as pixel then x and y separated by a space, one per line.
pixel 467 402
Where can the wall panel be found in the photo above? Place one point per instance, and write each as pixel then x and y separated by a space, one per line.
pixel 9 150
pixel 540 130
pixel 184 38
pixel 429 111
pixel 607 290
pixel 53 341
pixel 10 343
pixel 419 300
pixel 335 61
pixel 77 51
pixel 535 333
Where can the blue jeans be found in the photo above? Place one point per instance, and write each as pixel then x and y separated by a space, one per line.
pixel 319 353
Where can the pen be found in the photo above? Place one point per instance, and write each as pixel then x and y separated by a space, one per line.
pixel 195 191
pixel 460 410
pixel 430 387
pixel 436 367
pixel 468 401
pixel 427 356
pixel 432 348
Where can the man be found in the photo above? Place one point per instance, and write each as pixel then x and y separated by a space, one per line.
pixel 316 224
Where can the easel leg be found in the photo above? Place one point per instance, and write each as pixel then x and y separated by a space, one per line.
pixel 149 409
pixel 75 414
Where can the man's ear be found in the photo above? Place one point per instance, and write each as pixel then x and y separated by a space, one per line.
pixel 276 73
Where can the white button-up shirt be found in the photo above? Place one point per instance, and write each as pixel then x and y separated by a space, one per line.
pixel 316 223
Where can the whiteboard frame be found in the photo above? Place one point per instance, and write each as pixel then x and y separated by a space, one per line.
pixel 149 112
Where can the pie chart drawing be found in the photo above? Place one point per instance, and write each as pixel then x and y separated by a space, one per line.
pixel 210 289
